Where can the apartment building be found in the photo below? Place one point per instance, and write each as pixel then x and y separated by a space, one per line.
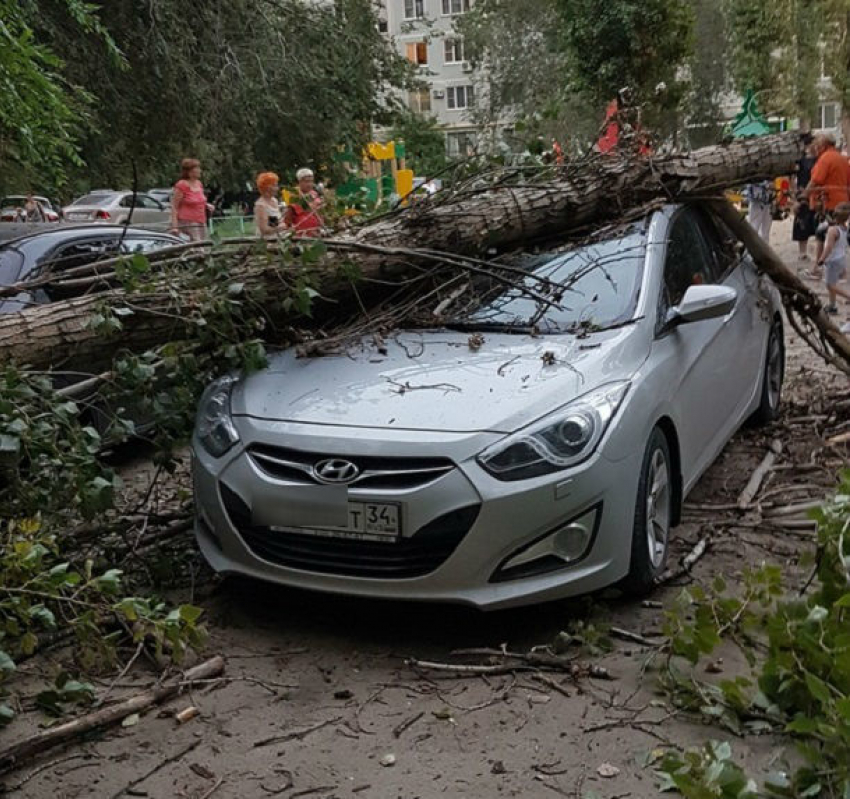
pixel 423 32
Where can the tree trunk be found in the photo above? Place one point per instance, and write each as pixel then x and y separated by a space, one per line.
pixel 470 222
pixel 596 191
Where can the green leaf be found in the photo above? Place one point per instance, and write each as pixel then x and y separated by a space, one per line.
pixel 190 613
pixel 43 615
pixel 7 665
pixel 818 688
pixel 109 581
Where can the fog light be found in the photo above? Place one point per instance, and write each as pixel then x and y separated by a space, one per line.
pixel 558 548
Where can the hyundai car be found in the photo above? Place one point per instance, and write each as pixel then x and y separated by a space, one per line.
pixel 517 452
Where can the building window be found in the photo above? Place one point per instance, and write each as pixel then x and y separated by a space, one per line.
pixel 459 97
pixel 453 50
pixel 455 7
pixel 419 102
pixel 828 113
pixel 414 9
pixel 417 52
pixel 460 145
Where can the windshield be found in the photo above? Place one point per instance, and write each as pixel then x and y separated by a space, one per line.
pixel 598 285
pixel 94 199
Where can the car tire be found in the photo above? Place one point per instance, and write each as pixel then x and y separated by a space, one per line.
pixel 653 520
pixel 773 373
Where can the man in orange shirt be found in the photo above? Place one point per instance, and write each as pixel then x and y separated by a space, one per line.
pixel 829 185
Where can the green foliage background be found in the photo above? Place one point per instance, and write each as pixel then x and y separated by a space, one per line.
pixel 242 85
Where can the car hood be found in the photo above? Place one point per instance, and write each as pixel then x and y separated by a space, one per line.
pixel 439 380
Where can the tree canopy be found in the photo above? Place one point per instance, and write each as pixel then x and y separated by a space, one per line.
pixel 242 85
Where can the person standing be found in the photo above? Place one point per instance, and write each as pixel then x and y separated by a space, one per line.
pixel 302 214
pixel 760 207
pixel 189 204
pixel 828 187
pixel 834 258
pixel 33 212
pixel 268 214
pixel 805 223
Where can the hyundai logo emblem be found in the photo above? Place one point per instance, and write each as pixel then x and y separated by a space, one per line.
pixel 336 470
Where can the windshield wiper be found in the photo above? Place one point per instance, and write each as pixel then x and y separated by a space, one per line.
pixel 493 327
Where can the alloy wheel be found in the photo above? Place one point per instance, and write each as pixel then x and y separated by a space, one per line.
pixel 774 371
pixel 658 509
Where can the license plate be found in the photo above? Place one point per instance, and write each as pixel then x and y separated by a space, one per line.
pixel 367 521
pixel 73 217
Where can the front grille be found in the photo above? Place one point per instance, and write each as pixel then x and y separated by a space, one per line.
pixel 413 556
pixel 296 466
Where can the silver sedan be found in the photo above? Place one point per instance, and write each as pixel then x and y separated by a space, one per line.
pixel 520 453
pixel 119 208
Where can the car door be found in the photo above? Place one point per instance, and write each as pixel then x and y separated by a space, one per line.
pixel 155 213
pixel 130 212
pixel 750 323
pixel 700 358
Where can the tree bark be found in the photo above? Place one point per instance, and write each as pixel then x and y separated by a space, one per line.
pixel 12 756
pixel 597 191
pixel 471 222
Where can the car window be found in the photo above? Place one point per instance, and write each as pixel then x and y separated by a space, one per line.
pixel 127 202
pixel 722 243
pixel 598 285
pixel 80 253
pixel 10 266
pixel 133 245
pixel 12 202
pixel 687 262
pixel 95 199
pixel 150 202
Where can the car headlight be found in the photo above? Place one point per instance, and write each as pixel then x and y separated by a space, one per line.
pixel 560 440
pixel 213 425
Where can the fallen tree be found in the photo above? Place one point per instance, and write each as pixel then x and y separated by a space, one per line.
pixel 492 213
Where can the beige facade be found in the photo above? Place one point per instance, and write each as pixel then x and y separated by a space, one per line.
pixel 423 32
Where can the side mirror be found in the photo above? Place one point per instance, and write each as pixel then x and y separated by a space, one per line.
pixel 700 303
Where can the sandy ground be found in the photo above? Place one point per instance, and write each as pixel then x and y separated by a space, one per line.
pixel 327 678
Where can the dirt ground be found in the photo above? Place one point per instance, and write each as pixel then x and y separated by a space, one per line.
pixel 326 678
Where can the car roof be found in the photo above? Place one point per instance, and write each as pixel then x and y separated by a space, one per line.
pixel 65 232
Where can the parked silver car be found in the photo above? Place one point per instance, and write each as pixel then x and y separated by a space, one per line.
pixel 119 208
pixel 551 459
pixel 12 208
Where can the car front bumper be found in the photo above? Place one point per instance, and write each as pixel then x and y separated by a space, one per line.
pixel 457 529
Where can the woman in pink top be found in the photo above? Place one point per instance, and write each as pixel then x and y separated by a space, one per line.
pixel 189 203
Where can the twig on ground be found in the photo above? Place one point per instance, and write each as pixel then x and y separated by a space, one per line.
pixel 158 767
pixel 35 772
pixel 688 562
pixel 406 724
pixel 756 478
pixel 296 734
pixel 635 638
pixel 212 790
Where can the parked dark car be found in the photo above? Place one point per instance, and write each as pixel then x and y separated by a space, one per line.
pixel 40 253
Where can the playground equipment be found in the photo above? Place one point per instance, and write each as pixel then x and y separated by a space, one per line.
pixel 377 174
pixel 751 122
